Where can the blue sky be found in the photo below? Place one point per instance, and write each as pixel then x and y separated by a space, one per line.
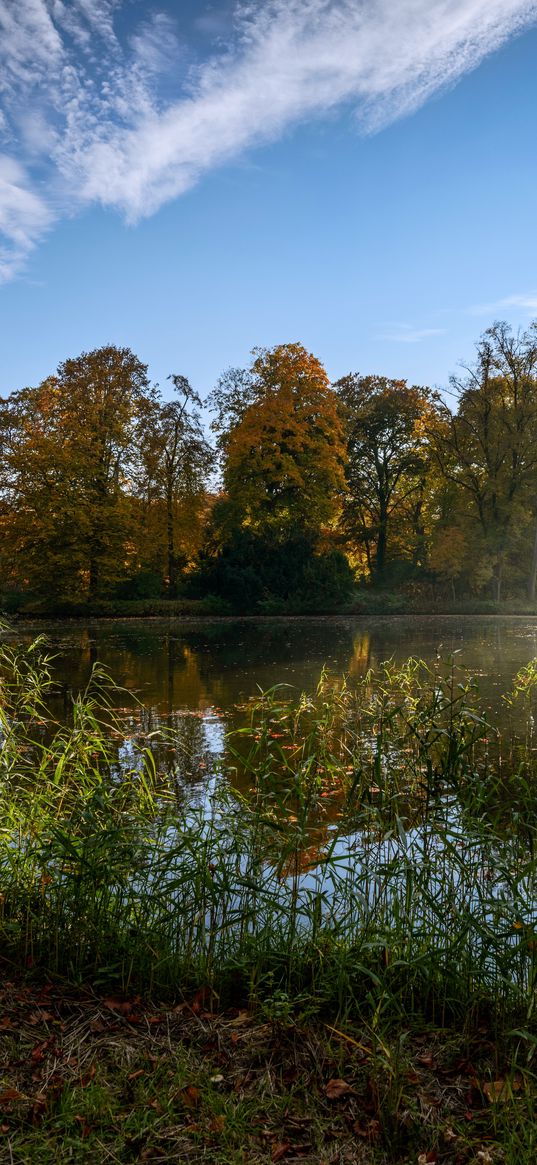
pixel 192 179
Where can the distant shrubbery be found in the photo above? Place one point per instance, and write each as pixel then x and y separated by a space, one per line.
pixel 256 573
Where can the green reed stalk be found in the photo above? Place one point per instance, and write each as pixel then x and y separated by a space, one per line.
pixel 383 864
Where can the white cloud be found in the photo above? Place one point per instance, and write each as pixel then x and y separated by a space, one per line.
pixel 125 124
pixel 24 217
pixel 294 59
pixel 30 44
pixel 406 334
pixel 527 302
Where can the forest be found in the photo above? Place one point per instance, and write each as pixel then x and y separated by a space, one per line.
pixel 306 495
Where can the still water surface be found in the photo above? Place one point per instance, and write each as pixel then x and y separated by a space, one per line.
pixel 194 679
pixel 212 666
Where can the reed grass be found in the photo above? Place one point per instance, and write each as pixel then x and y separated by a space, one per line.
pixel 381 867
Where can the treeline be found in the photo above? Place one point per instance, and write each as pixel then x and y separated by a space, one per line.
pixel 109 491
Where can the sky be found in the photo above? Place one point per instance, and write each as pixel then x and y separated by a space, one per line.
pixel 193 179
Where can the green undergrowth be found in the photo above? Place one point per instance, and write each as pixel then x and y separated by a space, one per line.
pixel 42 608
pixel 379 864
pixel 365 601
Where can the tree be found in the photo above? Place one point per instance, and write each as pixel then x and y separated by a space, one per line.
pixel 388 468
pixel 282 445
pixel 489 449
pixel 68 449
pixel 176 460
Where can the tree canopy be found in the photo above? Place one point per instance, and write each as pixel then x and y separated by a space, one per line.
pixel 110 489
pixel 284 451
pixel 388 467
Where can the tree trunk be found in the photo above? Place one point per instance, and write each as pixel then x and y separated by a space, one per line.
pixel 532 579
pixel 380 557
pixel 170 542
pixel 497 580
pixel 93 587
pixel 418 552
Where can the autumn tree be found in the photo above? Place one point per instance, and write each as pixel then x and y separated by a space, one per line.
pixel 175 459
pixel 283 449
pixel 68 449
pixel 489 450
pixel 280 442
pixel 388 471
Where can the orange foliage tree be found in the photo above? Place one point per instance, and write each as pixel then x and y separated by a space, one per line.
pixel 67 454
pixel 283 450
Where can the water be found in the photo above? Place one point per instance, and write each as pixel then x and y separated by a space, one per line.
pixel 173 665
pixel 195 678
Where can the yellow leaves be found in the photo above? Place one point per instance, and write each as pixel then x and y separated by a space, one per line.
pixel 284 457
pixel 449 551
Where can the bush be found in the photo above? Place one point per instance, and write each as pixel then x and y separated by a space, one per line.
pixel 263 574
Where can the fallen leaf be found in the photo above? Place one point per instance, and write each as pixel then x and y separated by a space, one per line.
pixel 240 1019
pixel 500 1090
pixel 370 1130
pixel 123 1007
pixel 279 1149
pixel 10 1094
pixel 336 1088
pixel 190 1096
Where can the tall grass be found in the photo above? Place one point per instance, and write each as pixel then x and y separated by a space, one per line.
pixel 381 861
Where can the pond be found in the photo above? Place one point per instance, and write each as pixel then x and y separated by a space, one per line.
pixel 399 845
pixel 195 678
pixel 175 665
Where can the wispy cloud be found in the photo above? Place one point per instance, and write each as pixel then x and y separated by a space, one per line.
pixel 406 334
pixel 526 302
pixel 128 122
pixel 24 217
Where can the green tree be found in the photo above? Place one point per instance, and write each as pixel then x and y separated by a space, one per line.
pixel 175 463
pixel 489 449
pixel 388 470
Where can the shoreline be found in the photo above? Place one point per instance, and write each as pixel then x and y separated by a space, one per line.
pixel 120 615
